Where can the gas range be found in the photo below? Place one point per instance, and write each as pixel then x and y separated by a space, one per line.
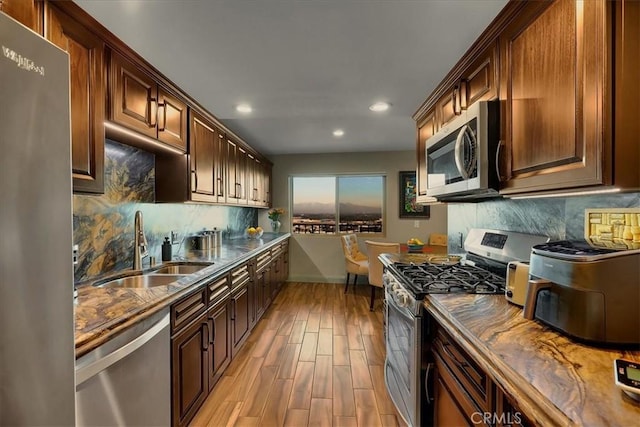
pixel 482 272
pixel 408 280
pixel 443 278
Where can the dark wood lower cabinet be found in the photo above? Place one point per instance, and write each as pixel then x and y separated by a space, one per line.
pixel 189 370
pixel 447 413
pixel 219 355
pixel 210 325
pixel 464 393
pixel 239 317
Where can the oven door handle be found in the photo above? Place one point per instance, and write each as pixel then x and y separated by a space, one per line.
pixel 427 374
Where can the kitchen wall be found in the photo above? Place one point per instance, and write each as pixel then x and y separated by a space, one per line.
pixel 559 218
pixel 319 258
pixel 103 225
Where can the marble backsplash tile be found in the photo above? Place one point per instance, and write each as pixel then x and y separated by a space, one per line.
pixel 103 225
pixel 559 218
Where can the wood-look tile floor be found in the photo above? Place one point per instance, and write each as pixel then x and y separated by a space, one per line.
pixel 315 359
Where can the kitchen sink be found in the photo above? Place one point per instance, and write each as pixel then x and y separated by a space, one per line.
pixel 141 281
pixel 179 269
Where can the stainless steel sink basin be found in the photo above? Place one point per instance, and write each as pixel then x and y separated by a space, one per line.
pixel 141 281
pixel 179 269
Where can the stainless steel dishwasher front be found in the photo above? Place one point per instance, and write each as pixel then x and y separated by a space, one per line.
pixel 127 380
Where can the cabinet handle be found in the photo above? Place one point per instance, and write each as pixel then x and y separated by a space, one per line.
pixel 500 144
pixel 162 105
pixel 233 309
pixel 213 330
pixel 462 95
pixel 220 186
pixel 194 180
pixel 153 112
pixel 444 345
pixel 205 341
pixel 456 104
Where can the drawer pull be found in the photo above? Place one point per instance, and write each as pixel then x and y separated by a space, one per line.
pixel 452 356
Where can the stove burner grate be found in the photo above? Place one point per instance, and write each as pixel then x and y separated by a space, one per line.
pixel 449 278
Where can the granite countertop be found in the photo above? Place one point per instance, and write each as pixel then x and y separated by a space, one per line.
pixel 553 379
pixel 101 313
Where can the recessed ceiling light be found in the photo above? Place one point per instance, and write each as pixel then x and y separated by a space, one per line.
pixel 338 133
pixel 244 108
pixel 379 107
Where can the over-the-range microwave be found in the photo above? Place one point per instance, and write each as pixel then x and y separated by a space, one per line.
pixel 462 157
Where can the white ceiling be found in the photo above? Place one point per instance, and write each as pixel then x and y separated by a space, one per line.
pixel 307 67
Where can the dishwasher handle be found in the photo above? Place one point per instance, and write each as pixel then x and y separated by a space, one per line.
pixel 85 372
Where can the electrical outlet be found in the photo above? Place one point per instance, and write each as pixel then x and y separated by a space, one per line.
pixel 174 237
pixel 416 224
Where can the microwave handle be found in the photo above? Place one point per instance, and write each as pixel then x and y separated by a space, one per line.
pixel 498 150
pixel 458 152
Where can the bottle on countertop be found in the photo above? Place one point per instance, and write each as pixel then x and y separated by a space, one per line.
pixel 166 250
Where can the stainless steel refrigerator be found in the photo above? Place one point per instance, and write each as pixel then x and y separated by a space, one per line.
pixel 36 273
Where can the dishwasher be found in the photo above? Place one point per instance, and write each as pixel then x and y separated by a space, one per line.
pixel 127 380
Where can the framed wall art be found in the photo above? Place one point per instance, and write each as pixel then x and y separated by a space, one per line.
pixel 408 206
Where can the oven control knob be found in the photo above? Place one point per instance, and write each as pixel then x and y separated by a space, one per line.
pixel 403 298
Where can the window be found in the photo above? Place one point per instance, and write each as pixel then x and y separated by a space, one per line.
pixel 356 201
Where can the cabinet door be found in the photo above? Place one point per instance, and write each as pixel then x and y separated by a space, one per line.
pixel 426 129
pixel 266 184
pixel 86 58
pixel 220 166
pixel 252 170
pixel 555 68
pixel 260 284
pixel 189 353
pixel 480 79
pixel 239 318
pixel 27 12
pixel 508 414
pixel 447 107
pixel 237 158
pixel 446 411
pixel 172 120
pixel 202 144
pixel 133 97
pixel 219 354
pixel 232 167
pixel 242 164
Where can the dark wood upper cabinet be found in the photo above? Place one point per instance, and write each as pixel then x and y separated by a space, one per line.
pixel 564 72
pixel 172 119
pixel 86 57
pixel 207 160
pixel 27 12
pixel 479 80
pixel 426 129
pixel 202 151
pixel 554 89
pixel 237 161
pixel 139 103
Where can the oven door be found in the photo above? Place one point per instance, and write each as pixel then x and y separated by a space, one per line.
pixel 403 375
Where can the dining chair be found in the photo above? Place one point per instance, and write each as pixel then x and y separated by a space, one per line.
pixel 356 262
pixel 375 265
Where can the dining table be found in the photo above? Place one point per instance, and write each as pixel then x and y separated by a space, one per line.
pixel 426 249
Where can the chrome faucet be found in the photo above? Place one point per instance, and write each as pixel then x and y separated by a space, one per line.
pixel 140 242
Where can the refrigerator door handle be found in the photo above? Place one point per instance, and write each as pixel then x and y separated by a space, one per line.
pixel 85 372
